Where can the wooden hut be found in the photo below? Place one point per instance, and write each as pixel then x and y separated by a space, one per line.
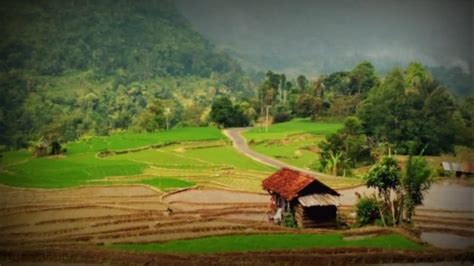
pixel 312 203
pixel 464 169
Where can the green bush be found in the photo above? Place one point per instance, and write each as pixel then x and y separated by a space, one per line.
pixel 289 220
pixel 367 211
pixel 281 117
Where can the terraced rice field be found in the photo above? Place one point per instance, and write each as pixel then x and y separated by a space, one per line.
pixel 101 202
pixel 107 215
pixel 166 160
pixel 263 242
pixel 103 224
pixel 294 142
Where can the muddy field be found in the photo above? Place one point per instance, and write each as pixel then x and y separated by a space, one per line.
pixel 104 215
pixel 40 224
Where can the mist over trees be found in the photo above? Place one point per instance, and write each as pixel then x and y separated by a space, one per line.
pixel 319 37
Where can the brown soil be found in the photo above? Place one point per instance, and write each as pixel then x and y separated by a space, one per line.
pixel 339 256
pixel 68 225
pixel 216 196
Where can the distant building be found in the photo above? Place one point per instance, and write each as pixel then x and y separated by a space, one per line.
pixel 313 203
pixel 459 169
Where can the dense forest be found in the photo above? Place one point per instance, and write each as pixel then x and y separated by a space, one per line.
pixel 69 68
pixel 406 111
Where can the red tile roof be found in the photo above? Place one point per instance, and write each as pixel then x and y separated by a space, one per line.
pixel 288 183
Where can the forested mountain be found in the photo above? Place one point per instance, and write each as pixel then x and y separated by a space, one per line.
pixel 69 68
pixel 320 37
pixel 144 38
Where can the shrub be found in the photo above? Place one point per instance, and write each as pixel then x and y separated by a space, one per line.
pixel 367 211
pixel 289 220
pixel 281 117
pixel 441 172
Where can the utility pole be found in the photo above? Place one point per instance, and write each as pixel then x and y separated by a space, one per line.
pixel 167 113
pixel 266 123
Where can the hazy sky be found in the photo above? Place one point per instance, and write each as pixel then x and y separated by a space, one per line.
pixel 329 35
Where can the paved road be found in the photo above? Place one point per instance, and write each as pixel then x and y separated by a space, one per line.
pixel 240 144
pixel 442 195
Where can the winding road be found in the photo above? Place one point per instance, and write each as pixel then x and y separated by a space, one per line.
pixel 240 144
pixel 442 195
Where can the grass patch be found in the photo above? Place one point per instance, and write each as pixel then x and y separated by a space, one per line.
pixel 164 184
pixel 264 242
pixel 59 172
pixel 197 160
pixel 128 140
pixel 227 156
pixel 282 130
pixel 294 142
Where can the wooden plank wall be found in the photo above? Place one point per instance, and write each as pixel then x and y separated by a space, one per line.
pixel 303 219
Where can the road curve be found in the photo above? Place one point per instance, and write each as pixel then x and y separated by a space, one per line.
pixel 240 144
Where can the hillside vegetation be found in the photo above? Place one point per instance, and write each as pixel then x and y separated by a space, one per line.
pixel 69 68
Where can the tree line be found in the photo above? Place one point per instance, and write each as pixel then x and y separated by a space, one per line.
pixel 71 68
pixel 406 111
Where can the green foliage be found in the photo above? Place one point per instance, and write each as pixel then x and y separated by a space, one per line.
pixel 412 111
pixel 384 176
pixel 362 78
pixel 281 117
pixel 308 106
pixel 144 39
pixel 164 184
pixel 345 149
pixel 367 211
pixel 272 90
pixel 263 242
pixel 302 82
pixel 225 114
pixel 73 69
pixel 289 220
pixel 337 82
pixel 415 182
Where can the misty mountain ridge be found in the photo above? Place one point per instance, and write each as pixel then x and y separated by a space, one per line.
pixel 321 37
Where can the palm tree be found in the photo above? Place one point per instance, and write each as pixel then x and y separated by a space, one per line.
pixel 334 162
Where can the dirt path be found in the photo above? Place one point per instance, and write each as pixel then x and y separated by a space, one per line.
pixel 240 144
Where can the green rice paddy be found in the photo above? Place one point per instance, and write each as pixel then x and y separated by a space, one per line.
pixel 266 242
pixel 204 151
pixel 294 142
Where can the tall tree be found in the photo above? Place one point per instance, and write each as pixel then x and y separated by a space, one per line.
pixel 302 82
pixel 362 78
pixel 225 114
pixel 385 178
pixel 415 182
pixel 411 111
